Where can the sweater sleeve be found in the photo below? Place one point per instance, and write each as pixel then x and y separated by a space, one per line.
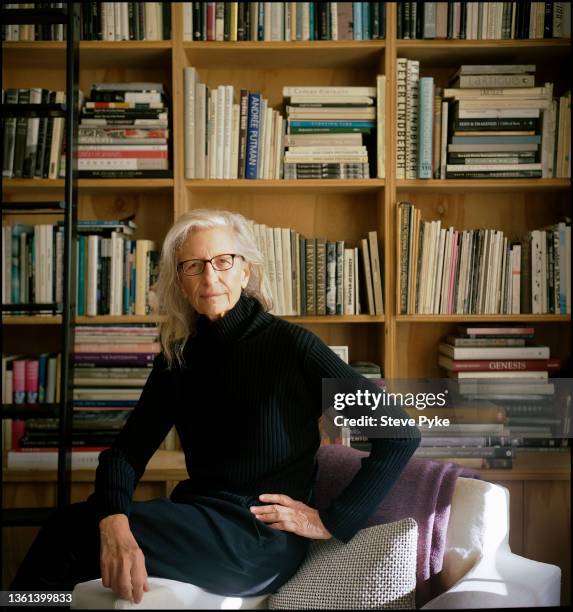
pixel 122 465
pixel 349 512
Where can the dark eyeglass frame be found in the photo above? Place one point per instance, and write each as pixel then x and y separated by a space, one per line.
pixel 206 261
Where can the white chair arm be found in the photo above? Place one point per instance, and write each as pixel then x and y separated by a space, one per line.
pixel 505 580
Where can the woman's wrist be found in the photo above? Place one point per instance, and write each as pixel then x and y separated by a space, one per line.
pixel 114 521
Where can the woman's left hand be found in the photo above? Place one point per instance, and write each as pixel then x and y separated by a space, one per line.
pixel 287 514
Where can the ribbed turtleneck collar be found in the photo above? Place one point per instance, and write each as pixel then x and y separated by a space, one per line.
pixel 233 325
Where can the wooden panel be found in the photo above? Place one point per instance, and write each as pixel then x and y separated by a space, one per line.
pixel 547 528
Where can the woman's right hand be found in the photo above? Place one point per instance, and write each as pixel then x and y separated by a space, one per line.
pixel 122 561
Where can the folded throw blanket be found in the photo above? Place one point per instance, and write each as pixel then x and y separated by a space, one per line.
pixel 423 491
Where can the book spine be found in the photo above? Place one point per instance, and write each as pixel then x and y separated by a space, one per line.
pixel 426 101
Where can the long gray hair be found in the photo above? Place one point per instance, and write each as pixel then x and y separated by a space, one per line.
pixel 180 317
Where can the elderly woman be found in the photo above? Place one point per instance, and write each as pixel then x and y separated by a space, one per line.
pixel 243 389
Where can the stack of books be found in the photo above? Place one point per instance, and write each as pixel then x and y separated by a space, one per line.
pixel 315 276
pixel 286 21
pixel 326 129
pixel 496 352
pixel 123 132
pixel 481 271
pixel 496 128
pixel 484 20
pixel 228 140
pixel 116 273
pixel 498 365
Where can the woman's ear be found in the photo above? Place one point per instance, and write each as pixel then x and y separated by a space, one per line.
pixel 245 275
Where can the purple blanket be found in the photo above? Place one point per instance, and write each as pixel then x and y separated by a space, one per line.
pixel 423 491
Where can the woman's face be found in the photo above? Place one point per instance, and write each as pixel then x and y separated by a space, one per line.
pixel 213 293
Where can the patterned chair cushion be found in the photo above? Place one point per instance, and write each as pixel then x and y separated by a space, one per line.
pixel 376 569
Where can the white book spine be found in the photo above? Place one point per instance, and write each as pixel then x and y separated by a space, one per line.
pixel 287 269
pixel 412 132
pixel 190 78
pixel 348 293
pixel 401 117
pixel 228 135
pixel 235 142
pixel 187 21
pixel 380 122
pixel 279 269
pixel 270 244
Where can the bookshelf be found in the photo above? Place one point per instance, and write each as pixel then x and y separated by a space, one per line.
pixel 337 209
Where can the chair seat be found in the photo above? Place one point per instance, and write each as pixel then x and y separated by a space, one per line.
pixel 163 594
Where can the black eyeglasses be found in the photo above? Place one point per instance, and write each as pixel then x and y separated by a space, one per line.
pixel 192 267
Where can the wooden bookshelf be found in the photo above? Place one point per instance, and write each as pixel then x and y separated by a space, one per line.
pixel 336 209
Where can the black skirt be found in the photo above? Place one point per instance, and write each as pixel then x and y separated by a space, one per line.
pixel 211 541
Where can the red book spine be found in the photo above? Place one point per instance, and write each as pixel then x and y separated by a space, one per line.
pixel 19 381
pixel 105 347
pixel 210 21
pixel 32 381
pixel 497 331
pixel 510 365
pixel 18 430
pixel 95 154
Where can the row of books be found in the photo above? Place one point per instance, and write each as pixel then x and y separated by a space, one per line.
pixel 99 21
pixel 325 133
pixel 33 146
pixel 286 21
pixel 481 271
pixel 226 140
pixel 491 123
pixel 315 276
pixel 483 20
pixel 114 272
pixel 31 379
pixel 122 113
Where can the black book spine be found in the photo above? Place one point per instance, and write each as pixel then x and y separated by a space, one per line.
pixel 141 21
pixel 407 20
pixel 136 28
pixel 49 132
pixel 96 21
pixel 382 11
pixel 227 21
pixel 463 19
pixel 322 18
pixel 548 20
pixel 31 246
pixel 130 20
pixel 21 133
pixel 450 33
pixel 166 8
pixel 526 15
pixel 241 21
pixel 197 20
pixel 400 20
pixel 419 19
pixel 375 20
pixel 42 134
pixel 247 20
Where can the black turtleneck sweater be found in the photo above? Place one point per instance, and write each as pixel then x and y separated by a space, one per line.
pixel 246 408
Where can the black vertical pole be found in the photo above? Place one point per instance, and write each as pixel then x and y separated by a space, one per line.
pixel 69 257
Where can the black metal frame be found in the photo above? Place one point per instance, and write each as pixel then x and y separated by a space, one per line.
pixel 70 16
